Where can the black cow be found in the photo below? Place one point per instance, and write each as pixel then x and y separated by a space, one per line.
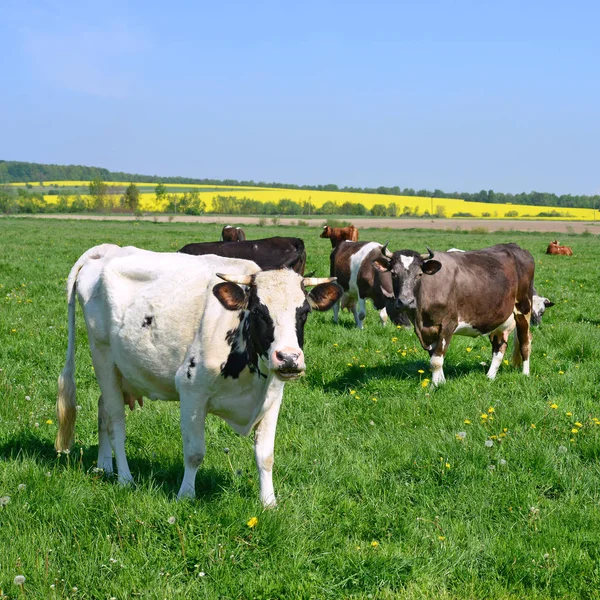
pixel 232 234
pixel 268 253
pixel 480 292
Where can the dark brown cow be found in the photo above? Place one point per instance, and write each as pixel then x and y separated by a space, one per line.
pixel 480 292
pixel 232 234
pixel 555 248
pixel 340 234
pixel 268 253
pixel 352 264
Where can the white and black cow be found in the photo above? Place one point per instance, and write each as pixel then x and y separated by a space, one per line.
pixel 479 292
pixel 217 334
pixel 352 264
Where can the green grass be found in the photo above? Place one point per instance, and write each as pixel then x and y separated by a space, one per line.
pixel 349 470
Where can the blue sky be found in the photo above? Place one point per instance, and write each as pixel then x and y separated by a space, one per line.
pixel 455 95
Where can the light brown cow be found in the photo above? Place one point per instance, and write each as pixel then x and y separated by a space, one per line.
pixel 339 234
pixel 555 248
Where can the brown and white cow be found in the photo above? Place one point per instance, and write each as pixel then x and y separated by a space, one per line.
pixel 340 234
pixel 217 334
pixel 555 248
pixel 352 264
pixel 232 234
pixel 479 292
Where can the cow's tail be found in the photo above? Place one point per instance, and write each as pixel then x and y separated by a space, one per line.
pixel 66 409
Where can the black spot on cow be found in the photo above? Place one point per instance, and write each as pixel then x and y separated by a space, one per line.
pixel 301 316
pixel 190 367
pixel 147 321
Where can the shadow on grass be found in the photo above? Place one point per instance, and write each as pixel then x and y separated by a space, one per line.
pixel 355 375
pixel 164 476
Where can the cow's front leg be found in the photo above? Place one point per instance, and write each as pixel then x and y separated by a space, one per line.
pixel 436 361
pixel 383 316
pixel 192 421
pixel 264 448
pixel 499 344
pixel 336 312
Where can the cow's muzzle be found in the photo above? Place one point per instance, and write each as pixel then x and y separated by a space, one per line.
pixel 288 363
pixel 401 304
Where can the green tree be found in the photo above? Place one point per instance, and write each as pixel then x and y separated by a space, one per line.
pixel 98 191
pixel 161 192
pixel 379 210
pixel 132 197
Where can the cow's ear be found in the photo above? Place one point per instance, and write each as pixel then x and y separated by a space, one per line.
pixel 230 295
pixel 548 303
pixel 431 267
pixel 324 296
pixel 382 264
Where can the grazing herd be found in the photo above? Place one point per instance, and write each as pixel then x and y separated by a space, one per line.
pixel 219 326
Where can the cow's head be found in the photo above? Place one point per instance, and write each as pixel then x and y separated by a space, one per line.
pixel 539 305
pixel 326 231
pixel 275 306
pixel 406 267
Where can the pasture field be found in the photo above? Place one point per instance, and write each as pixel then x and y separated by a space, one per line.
pixel 386 488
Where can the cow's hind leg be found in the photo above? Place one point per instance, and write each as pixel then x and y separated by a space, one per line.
pixel 111 414
pixel 522 349
pixel 499 344
pixel 105 457
pixel 192 418
pixel 336 312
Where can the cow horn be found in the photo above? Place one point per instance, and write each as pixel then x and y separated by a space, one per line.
pixel 430 252
pixel 239 279
pixel 385 251
pixel 317 280
pixel 311 273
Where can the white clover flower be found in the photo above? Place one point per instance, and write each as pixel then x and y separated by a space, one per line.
pixel 562 450
pixel 4 500
pixel 461 434
pixel 489 443
pixel 171 520
pixel 21 487
pixel 27 398
pixel 502 462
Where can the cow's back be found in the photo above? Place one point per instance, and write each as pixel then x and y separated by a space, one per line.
pixel 267 253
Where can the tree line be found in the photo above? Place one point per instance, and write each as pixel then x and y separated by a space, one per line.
pixel 14 172
pixel 103 198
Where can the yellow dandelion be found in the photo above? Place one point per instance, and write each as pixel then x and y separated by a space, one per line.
pixel 505 361
pixel 374 399
pixel 554 406
pixel 420 371
pixel 491 409
pixel 469 349
pixel 403 353
pixel 441 538
pixel 49 422
pixel 574 430
pixel 467 422
pixel 569 414
pixel 394 339
pixel 353 392
pixel 374 544
pixel 533 426
pixel 362 366
pixel 252 522
pixel 447 465
pixel 561 372
pixel 577 424
pixel 505 429
pixel 335 345
pixel 484 416
pixel 349 364
pixel 425 383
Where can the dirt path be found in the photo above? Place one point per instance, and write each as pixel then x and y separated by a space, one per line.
pixel 361 223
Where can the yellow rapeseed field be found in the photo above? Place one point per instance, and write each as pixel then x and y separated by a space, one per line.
pixel 449 207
